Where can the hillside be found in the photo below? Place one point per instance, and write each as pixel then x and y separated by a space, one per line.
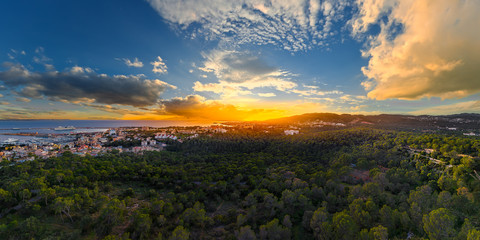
pixel 465 121
pixel 354 183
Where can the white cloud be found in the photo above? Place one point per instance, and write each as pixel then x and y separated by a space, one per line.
pixel 310 86
pixel 285 23
pixel 358 107
pixel 80 70
pixel 323 99
pixel 39 50
pixel 223 88
pixel 240 72
pixel 369 12
pixel 424 48
pixel 312 91
pixel 159 66
pixel 136 63
pixel 267 94
pixel 14 53
pixel 42 59
pixel 350 99
pixel 427 48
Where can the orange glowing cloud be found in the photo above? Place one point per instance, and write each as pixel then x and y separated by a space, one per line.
pixel 197 108
pixel 427 48
pixel 194 107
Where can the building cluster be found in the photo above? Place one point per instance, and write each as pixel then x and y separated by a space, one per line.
pixel 129 139
pixel 77 143
pixel 320 123
pixel 291 132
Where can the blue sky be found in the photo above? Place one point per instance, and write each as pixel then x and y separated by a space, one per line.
pixel 237 60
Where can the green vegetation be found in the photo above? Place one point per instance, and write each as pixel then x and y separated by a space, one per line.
pixel 346 184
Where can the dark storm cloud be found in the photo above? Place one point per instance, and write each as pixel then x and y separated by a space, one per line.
pixel 80 84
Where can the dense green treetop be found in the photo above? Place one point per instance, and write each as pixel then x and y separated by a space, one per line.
pixel 344 184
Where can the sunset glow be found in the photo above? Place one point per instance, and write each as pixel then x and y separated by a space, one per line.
pixel 215 60
pixel 240 119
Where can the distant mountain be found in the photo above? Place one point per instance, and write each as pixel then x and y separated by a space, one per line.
pixel 461 121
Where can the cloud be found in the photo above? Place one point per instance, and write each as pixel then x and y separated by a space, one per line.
pixel 115 110
pixel 240 72
pixel 358 107
pixel 12 112
pixel 196 107
pixel 267 94
pixel 223 88
pixel 427 48
pixel 79 84
pixel 13 54
pixel 23 99
pixel 462 107
pixel 42 59
pixel 159 66
pixel 234 66
pixel 369 12
pixel 312 91
pixel 323 99
pixel 291 25
pixel 136 63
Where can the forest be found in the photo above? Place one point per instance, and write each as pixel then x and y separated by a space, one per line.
pixel 358 183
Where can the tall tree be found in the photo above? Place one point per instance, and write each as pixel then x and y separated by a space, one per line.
pixel 180 233
pixel 439 224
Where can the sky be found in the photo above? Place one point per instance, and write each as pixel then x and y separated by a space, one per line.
pixel 214 60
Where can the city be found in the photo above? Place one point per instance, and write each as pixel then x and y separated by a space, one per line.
pixel 246 120
pixel 125 139
pixel 96 141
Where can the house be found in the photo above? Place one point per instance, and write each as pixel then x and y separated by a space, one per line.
pixel 220 130
pixel 291 132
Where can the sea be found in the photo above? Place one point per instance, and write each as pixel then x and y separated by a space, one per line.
pixel 9 127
